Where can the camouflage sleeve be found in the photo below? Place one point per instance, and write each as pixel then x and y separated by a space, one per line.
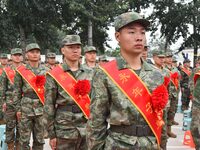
pixel 49 107
pixel 97 124
pixel 3 87
pixel 191 82
pixel 18 83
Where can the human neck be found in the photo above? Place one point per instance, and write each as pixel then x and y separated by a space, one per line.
pixel 158 66
pixel 34 64
pixel 73 65
pixel 16 64
pixel 91 64
pixel 134 60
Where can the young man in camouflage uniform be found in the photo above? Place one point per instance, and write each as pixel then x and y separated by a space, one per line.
pixel 184 82
pixel 195 129
pixel 159 60
pixel 90 54
pixel 51 60
pixel 65 116
pixel 3 63
pixel 110 105
pixel 173 93
pixel 7 87
pixel 28 97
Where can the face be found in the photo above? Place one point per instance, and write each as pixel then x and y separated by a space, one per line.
pixel 33 55
pixel 71 52
pixel 51 61
pixel 159 61
pixel 4 61
pixel 168 60
pixel 197 64
pixel 145 54
pixel 131 38
pixel 16 58
pixel 90 56
pixel 174 64
pixel 187 64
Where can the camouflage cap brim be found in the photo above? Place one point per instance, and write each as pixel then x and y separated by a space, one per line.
pixel 130 17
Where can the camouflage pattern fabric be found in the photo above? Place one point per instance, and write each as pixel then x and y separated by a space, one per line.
pixel 126 18
pixel 31 109
pixel 164 137
pixel 185 98
pixel 64 124
pixel 173 96
pixel 110 106
pixel 195 128
pixel 6 90
pixel 1 100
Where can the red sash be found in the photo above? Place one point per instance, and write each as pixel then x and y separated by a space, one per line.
pixel 67 82
pixel 196 76
pixel 10 74
pixel 1 71
pixel 186 71
pixel 30 78
pixel 136 91
pixel 175 81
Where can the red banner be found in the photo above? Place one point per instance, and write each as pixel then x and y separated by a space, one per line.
pixel 1 71
pixel 30 78
pixel 67 82
pixel 174 79
pixel 10 74
pixel 137 92
pixel 196 76
pixel 186 71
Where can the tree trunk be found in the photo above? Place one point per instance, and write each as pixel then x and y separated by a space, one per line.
pixel 195 34
pixel 90 28
pixel 22 38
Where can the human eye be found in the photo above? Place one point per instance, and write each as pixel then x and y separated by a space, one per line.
pixel 143 32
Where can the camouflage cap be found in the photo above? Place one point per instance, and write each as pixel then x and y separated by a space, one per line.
pixel 89 49
pixel 174 59
pixel 32 46
pixel 129 17
pixel 3 55
pixel 16 51
pixel 169 54
pixel 51 55
pixel 186 60
pixel 103 58
pixel 159 53
pixel 71 40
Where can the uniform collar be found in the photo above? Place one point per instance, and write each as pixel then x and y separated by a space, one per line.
pixel 122 64
pixel 66 67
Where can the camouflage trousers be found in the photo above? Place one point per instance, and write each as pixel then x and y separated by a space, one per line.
pixel 164 136
pixel 195 128
pixel 172 110
pixel 1 117
pixel 12 127
pixel 71 144
pixel 185 98
pixel 124 142
pixel 34 125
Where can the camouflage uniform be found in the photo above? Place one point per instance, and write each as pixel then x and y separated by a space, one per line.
pixel 1 100
pixel 184 83
pixel 110 106
pixel 10 113
pixel 66 121
pixel 195 128
pixel 53 56
pixel 173 98
pixel 30 107
pixel 86 50
pixel 164 72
